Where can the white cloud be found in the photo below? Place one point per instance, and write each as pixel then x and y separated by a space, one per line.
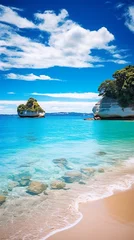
pixel 130 18
pixel 9 107
pixel 12 93
pixel 119 5
pixel 85 95
pixel 117 55
pixel 49 21
pixel 68 43
pixel 30 77
pixel 8 15
pixel 120 61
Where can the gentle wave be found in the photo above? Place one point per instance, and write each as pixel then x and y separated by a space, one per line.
pixel 120 185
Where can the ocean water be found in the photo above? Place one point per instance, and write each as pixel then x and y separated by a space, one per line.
pixel 28 147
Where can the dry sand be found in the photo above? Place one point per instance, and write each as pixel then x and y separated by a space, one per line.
pixel 109 219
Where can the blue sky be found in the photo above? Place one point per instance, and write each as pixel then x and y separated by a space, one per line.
pixel 60 51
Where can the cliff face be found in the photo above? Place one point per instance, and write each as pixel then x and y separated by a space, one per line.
pixel 108 108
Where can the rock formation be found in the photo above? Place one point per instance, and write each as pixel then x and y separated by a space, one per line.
pixel 109 108
pixel 57 184
pixel 72 176
pixel 30 109
pixel 117 96
pixel 88 170
pixel 2 199
pixel 36 187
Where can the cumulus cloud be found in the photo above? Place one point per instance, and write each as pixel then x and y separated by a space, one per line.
pixel 49 21
pixel 68 44
pixel 9 15
pixel 85 95
pixel 130 18
pixel 9 107
pixel 30 77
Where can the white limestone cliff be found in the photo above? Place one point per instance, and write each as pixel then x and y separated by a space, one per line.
pixel 108 108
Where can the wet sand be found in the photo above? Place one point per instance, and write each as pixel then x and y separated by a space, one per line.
pixel 107 219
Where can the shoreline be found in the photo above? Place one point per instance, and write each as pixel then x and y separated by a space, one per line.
pixel 80 228
pixel 68 216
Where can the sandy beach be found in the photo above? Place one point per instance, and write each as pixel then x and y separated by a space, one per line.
pixel 107 219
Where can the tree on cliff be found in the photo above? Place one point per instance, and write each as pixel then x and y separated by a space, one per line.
pixel 31 105
pixel 121 88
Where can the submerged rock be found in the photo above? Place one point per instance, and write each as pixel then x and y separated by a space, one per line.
pixel 12 185
pixel 101 153
pixel 26 177
pixel 82 182
pixel 57 184
pixel 24 182
pixel 60 162
pixel 36 187
pixel 88 171
pixel 72 176
pixel 2 199
pixel 101 170
pixel 21 176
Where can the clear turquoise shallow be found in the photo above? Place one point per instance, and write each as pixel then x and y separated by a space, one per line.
pixel 28 146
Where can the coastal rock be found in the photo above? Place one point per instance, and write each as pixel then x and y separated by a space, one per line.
pixel 36 187
pixel 26 177
pixel 97 118
pixel 24 183
pixel 12 185
pixel 101 170
pixel 88 119
pixel 25 180
pixel 21 176
pixel 61 162
pixel 101 153
pixel 2 199
pixel 30 109
pixel 82 182
pixel 109 108
pixel 88 171
pixel 57 184
pixel 72 176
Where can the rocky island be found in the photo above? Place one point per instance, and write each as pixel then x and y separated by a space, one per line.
pixel 30 109
pixel 117 96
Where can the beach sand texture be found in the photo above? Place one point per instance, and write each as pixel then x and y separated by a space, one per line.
pixel 109 219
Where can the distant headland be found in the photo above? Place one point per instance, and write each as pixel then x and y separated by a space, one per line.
pixel 30 109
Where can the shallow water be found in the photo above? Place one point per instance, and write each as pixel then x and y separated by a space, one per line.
pixel 28 147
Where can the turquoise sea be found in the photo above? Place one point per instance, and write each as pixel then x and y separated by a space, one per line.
pixel 29 146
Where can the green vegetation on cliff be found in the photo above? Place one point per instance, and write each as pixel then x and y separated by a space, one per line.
pixel 31 105
pixel 121 88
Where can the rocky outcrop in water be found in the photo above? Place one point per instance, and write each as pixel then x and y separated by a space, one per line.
pixel 108 108
pixel 2 199
pixel 101 170
pixel 30 109
pixel 87 170
pixel 62 163
pixel 57 184
pixel 24 181
pixel 36 187
pixel 72 176
pixel 12 185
